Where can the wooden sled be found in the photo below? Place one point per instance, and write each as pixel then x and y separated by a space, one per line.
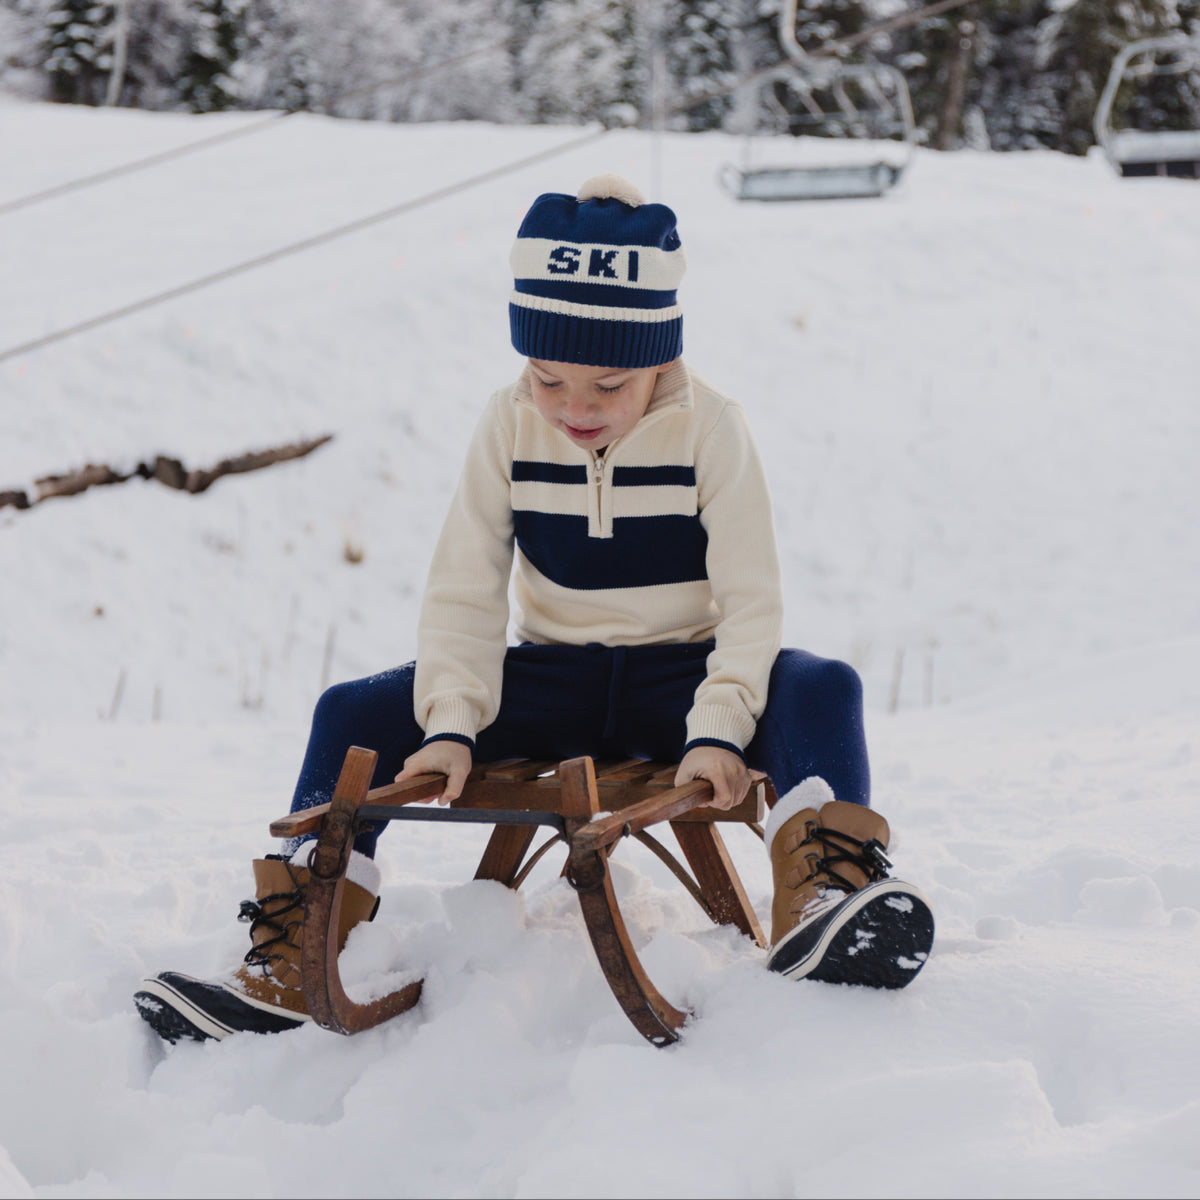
pixel 516 796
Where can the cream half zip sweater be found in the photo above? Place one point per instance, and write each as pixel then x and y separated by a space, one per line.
pixel 666 537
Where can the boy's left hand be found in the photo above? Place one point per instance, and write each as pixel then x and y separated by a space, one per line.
pixel 722 768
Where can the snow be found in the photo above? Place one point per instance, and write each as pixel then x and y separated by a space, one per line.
pixel 977 404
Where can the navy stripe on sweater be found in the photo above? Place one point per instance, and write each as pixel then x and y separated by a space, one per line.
pixel 642 552
pixel 525 471
pixel 654 476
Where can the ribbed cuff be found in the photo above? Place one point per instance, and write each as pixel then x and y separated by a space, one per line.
pixel 719 745
pixel 708 723
pixel 557 337
pixel 452 717
pixel 450 737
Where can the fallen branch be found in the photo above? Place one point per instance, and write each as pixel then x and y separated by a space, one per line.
pixel 14 499
pixel 76 482
pixel 168 471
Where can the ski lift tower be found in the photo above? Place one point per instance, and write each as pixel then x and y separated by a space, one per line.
pixel 868 96
pixel 1133 152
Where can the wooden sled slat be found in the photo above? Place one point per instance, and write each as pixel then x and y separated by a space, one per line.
pixel 705 850
pixel 511 794
pixel 310 820
pixel 529 793
pixel 506 848
pixel 632 770
pixel 675 804
pixel 518 770
pixel 605 830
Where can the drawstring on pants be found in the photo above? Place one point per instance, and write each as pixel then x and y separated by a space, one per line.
pixel 616 680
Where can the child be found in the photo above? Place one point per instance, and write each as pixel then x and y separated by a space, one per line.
pixel 649 611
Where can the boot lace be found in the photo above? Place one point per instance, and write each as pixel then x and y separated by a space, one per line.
pixel 867 856
pixel 269 912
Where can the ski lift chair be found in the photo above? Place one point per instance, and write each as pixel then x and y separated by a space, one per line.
pixel 823 88
pixel 884 108
pixel 1137 152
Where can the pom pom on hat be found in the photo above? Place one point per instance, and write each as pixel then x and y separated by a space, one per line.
pixel 611 186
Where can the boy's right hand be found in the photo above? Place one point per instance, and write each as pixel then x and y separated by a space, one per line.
pixel 444 757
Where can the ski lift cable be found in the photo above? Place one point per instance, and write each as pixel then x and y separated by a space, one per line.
pixel 898 22
pixel 139 164
pixel 318 239
pixel 154 160
pixel 396 210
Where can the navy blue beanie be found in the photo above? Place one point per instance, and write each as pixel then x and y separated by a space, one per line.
pixel 595 279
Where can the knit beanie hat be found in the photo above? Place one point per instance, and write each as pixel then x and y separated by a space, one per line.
pixel 595 278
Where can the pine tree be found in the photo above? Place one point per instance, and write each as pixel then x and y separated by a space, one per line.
pixel 579 61
pixel 1037 68
pixel 1170 99
pixel 819 22
pixel 22 43
pixel 1080 44
pixel 482 86
pixel 277 56
pixel 77 47
pixel 713 45
pixel 215 44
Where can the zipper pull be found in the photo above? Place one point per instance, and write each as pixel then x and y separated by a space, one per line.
pixel 598 470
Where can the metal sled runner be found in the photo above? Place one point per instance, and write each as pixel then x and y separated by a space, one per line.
pixel 589 807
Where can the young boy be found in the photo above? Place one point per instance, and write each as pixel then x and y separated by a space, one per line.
pixel 648 610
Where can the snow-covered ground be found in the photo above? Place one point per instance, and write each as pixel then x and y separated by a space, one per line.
pixel 977 402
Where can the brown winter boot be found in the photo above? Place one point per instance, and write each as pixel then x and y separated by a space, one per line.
pixel 264 994
pixel 836 915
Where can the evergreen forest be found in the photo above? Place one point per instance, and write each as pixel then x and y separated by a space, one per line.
pixel 984 74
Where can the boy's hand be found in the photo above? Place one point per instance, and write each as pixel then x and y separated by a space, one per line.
pixel 722 768
pixel 444 757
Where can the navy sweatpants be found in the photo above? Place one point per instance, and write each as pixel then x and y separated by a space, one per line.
pixel 559 702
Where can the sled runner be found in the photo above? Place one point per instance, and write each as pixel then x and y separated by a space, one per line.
pixel 587 806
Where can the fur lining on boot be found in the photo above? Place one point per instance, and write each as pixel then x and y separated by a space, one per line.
pixel 361 869
pixel 812 792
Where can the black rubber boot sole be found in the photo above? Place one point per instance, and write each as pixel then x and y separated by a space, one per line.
pixel 177 1006
pixel 879 936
